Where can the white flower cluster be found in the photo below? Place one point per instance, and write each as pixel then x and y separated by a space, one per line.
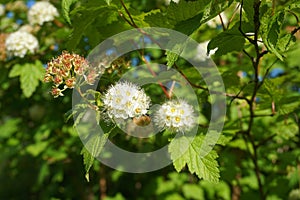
pixel 20 43
pixel 176 115
pixel 42 12
pixel 2 9
pixel 126 100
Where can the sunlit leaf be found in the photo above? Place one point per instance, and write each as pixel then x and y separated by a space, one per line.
pixel 187 151
pixel 30 75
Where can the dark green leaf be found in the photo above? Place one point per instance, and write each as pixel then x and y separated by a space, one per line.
pixel 66 4
pixel 271 27
pixel 95 145
pixel 9 128
pixel 249 10
pixel 230 40
pixel 285 42
pixel 86 23
pixel 186 17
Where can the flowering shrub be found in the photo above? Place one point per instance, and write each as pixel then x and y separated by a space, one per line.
pixel 42 12
pixel 20 43
pixel 255 46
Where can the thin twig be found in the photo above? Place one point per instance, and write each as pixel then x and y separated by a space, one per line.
pixel 240 25
pixel 132 23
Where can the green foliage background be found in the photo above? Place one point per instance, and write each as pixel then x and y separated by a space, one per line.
pixel 258 156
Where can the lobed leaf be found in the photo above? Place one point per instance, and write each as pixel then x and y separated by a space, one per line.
pixel 66 4
pixel 187 151
pixel 30 74
pixel 275 38
pixel 95 145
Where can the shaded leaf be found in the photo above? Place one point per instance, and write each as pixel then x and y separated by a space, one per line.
pixel 66 4
pixel 229 40
pixel 271 30
pixel 248 7
pixel 95 145
pixel 185 16
pixel 9 128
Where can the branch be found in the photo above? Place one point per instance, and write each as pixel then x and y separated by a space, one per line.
pixel 131 22
pixel 240 25
pixel 251 103
pixel 234 96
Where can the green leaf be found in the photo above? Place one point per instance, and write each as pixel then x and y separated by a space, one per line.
pixel 173 55
pixel 229 40
pixel 287 104
pixel 248 8
pixel 285 42
pixel 30 75
pixel 293 5
pixel 184 10
pixel 274 36
pixel 16 71
pixel 108 1
pixel 66 4
pixel 270 31
pixel 187 16
pixel 213 8
pixel 95 145
pixel 36 149
pixel 9 128
pixel 88 161
pixel 192 191
pixel 186 151
pixel 43 173
pixel 86 22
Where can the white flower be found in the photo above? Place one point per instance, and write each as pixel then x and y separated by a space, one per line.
pixel 20 43
pixel 176 115
pixel 126 100
pixel 41 12
pixel 2 9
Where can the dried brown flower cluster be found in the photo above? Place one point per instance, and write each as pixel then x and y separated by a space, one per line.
pixel 2 47
pixel 62 71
